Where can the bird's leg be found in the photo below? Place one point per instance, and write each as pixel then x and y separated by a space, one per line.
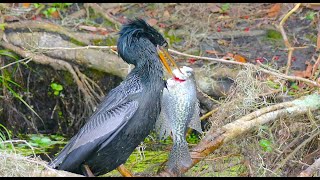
pixel 124 171
pixel 86 170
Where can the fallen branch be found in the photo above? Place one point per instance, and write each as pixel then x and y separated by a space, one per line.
pixel 215 138
pixel 34 26
pixel 56 64
pixel 48 27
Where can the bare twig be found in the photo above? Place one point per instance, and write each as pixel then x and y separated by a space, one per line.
pixel 77 48
pixel 270 71
pixel 285 38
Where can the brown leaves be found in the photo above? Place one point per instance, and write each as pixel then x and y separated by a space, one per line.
pixel 306 73
pixel 236 57
pixel 55 14
pixel 102 31
pixel 212 52
pixel 166 14
pixel 26 5
pixel 214 8
pixel 152 22
pixel 274 10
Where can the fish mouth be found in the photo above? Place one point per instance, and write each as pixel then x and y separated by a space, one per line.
pixel 164 56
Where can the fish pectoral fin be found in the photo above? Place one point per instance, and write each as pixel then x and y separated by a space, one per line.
pixel 162 126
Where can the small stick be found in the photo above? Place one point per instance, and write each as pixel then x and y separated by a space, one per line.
pixel 124 171
pixel 88 171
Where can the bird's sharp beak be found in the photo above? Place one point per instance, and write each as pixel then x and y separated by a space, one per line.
pixel 164 55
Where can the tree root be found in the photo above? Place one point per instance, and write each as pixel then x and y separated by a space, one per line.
pixel 34 26
pixel 58 65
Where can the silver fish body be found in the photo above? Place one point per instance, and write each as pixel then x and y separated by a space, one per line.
pixel 179 110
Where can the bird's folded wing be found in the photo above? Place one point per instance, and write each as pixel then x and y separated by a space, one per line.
pixel 97 130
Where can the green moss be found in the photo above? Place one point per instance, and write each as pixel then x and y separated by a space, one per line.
pixel 94 74
pixel 311 37
pixel 139 163
pixel 171 37
pixel 68 79
pixel 273 34
pixel 76 42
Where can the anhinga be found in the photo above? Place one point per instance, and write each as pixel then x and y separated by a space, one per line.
pixel 128 113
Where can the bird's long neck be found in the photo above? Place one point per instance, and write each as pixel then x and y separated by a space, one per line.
pixel 150 73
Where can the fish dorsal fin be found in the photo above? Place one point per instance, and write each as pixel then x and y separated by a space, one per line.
pixel 195 122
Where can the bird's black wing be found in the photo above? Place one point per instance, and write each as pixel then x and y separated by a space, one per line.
pixel 109 118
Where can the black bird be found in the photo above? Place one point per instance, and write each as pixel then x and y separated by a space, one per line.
pixel 128 113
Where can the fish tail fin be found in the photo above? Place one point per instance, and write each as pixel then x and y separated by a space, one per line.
pixel 179 157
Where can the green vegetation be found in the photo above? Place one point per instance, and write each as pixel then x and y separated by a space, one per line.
pixel 48 12
pixel 171 37
pixel 225 7
pixel 2 26
pixel 273 34
pixel 193 138
pixel 310 15
pixel 5 81
pixel 57 88
pixel 54 7
pixel 265 145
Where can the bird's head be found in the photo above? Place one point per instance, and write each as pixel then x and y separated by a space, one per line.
pixel 138 40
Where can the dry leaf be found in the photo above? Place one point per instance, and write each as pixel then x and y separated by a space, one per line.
pixel 214 8
pixel 166 14
pixel 212 52
pixel 228 56
pixel 93 29
pixel 152 22
pixel 26 5
pixel 55 14
pixel 306 73
pixel 115 10
pixel 274 10
pixel 239 58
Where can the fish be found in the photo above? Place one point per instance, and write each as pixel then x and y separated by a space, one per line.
pixel 179 110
